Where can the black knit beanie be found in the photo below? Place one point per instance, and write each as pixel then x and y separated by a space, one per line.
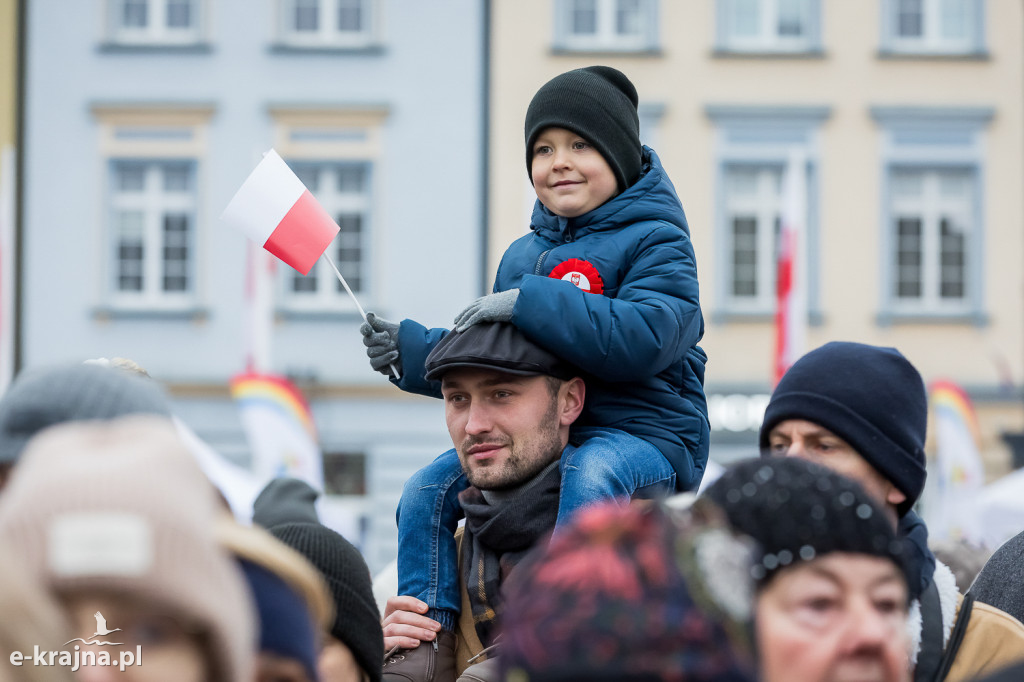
pixel 599 104
pixel 871 397
pixel 798 510
pixel 285 500
pixel 356 620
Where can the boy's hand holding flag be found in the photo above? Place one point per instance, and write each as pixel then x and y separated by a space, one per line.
pixel 274 209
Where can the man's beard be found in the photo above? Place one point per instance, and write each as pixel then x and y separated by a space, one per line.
pixel 525 459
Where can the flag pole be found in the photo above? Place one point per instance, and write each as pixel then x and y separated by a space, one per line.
pixel 362 313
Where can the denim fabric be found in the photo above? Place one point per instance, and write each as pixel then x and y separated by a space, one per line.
pixel 427 516
pixel 607 464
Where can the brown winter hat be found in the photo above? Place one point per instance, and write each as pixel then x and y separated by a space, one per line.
pixel 121 507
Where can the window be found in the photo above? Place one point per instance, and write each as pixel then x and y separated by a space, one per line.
pixel 753 150
pixel 345 473
pixel 606 25
pixel 769 26
pixel 753 215
pixel 152 218
pixel 343 190
pixel 155 22
pixel 932 226
pixel 151 229
pixel 938 27
pixel 327 23
pixel 334 153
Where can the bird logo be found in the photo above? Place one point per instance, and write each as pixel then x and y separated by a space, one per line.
pixel 101 631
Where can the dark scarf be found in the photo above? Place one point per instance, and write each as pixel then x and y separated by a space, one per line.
pixel 496 537
pixel 919 559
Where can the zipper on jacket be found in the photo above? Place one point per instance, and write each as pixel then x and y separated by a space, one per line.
pixel 540 259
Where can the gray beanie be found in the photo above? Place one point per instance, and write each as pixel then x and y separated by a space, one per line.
pixel 45 396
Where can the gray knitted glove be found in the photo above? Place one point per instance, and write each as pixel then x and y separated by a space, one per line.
pixel 493 308
pixel 381 340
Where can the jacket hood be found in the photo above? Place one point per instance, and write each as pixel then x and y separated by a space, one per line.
pixel 652 197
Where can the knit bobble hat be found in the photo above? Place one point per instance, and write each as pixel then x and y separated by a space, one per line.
pixel 357 620
pixel 122 508
pixel 45 396
pixel 871 397
pixel 629 594
pixel 597 103
pixel 798 510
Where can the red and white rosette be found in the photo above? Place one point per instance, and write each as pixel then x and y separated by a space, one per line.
pixel 581 274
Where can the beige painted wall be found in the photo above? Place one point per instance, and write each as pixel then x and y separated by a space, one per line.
pixel 849 79
pixel 8 69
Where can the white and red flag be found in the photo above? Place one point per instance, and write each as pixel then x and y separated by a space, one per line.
pixel 274 209
pixel 791 271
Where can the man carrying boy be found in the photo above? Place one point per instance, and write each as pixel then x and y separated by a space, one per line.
pixel 508 406
pixel 607 281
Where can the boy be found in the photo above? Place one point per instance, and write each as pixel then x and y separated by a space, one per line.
pixel 606 280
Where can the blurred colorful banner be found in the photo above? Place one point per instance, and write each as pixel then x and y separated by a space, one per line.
pixel 279 427
pixel 791 275
pixel 960 474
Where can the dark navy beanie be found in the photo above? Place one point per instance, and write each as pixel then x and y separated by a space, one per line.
pixel 871 397
pixel 286 626
pixel 599 104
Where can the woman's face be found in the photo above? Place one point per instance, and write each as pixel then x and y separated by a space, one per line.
pixel 839 618
pixel 152 644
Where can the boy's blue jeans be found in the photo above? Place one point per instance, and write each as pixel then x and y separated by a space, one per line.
pixel 608 464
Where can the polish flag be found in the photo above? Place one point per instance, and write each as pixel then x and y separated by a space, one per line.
pixel 274 209
pixel 791 282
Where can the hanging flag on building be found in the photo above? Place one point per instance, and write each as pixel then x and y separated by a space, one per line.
pixel 960 474
pixel 791 275
pixel 274 209
pixel 279 428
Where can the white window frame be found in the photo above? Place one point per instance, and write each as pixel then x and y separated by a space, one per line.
pixel 765 206
pixel 606 37
pixel 328 292
pixel 763 138
pixel 334 138
pixel 154 202
pixel 151 135
pixel 931 207
pixel 768 38
pixel 327 33
pixel 932 140
pixel 156 31
pixel 932 41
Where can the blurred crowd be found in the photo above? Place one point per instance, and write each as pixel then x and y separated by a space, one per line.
pixel 119 559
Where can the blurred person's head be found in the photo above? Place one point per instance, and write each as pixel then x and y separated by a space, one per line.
pixel 508 402
pixel 117 520
pixel 860 410
pixel 1000 583
pixel 832 597
pixel 31 618
pixel 285 500
pixel 964 558
pixel 43 396
pixel 631 593
pixel 292 602
pixel 355 647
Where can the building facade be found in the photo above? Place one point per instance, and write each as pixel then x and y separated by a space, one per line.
pixel 144 117
pixel 907 120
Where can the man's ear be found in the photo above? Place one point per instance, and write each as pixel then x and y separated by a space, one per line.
pixel 895 496
pixel 570 401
